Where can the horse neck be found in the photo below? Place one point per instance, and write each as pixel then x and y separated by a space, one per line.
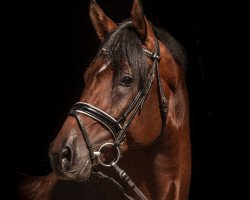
pixel 162 171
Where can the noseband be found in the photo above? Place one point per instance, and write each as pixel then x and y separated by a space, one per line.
pixel 118 127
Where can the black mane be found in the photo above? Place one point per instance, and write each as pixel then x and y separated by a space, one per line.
pixel 124 45
pixel 171 43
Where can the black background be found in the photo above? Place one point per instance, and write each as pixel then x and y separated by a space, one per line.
pixel 49 43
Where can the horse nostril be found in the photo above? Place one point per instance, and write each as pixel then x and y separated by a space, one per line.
pixel 66 156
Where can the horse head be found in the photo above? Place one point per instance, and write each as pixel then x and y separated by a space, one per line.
pixel 133 93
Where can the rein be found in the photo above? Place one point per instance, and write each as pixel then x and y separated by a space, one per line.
pixel 119 127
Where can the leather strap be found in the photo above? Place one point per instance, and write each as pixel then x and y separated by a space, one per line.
pixel 97 114
pixel 84 133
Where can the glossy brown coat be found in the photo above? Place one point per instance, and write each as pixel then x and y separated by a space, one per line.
pixel 160 169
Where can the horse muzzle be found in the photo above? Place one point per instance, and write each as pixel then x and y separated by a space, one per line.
pixel 68 162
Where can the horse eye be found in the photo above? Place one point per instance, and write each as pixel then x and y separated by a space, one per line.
pixel 127 81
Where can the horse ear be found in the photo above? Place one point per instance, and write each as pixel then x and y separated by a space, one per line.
pixel 139 20
pixel 102 23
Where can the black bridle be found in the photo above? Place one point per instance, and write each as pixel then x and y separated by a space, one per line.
pixel 119 127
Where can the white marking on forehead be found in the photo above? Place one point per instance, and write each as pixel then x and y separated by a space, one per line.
pixel 103 67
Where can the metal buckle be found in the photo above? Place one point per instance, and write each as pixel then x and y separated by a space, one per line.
pixel 116 158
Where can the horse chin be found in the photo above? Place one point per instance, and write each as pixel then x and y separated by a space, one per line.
pixel 78 174
pixel 84 173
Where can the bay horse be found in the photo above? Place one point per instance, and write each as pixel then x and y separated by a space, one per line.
pixel 128 135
